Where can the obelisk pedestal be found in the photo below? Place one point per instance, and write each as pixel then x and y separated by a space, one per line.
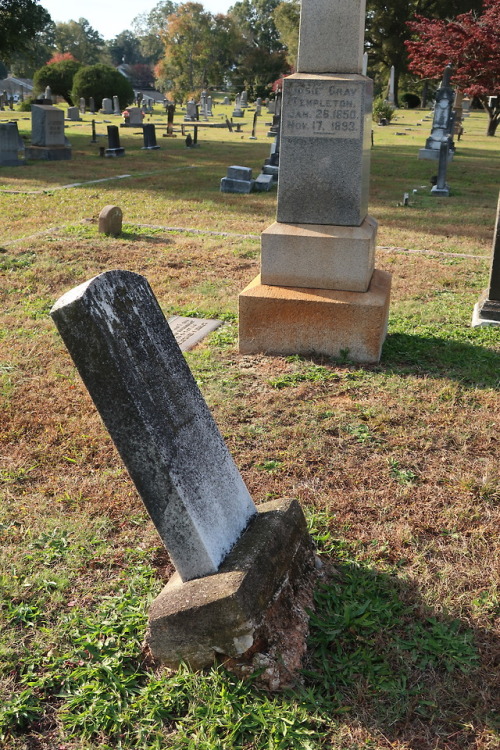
pixel 318 292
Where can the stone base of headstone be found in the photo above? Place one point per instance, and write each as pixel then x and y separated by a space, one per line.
pixel 13 162
pixel 443 192
pixel 433 154
pixel 228 185
pixel 294 320
pixel 48 153
pixel 252 613
pixel 111 152
pixel 271 169
pixel 238 113
pixel 486 312
pixel 319 256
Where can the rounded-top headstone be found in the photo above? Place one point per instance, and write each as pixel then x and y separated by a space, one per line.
pixel 110 221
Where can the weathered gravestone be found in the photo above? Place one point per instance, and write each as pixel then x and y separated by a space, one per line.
pixel 487 310
pixel 232 559
pixel 47 134
pixel 237 180
pixel 82 106
pixel 11 144
pixel 191 110
pixel 116 106
pixel 319 291
pixel 92 105
pixel 110 221
pixel 133 117
pixel 442 123
pixel 237 111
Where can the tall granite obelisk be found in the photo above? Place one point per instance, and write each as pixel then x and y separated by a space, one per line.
pixel 318 291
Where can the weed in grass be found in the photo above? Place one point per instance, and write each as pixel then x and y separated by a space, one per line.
pixel 304 371
pixel 401 475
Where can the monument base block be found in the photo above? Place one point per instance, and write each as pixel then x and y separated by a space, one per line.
pixel 486 312
pixel 252 612
pixel 292 320
pixel 319 256
pixel 48 153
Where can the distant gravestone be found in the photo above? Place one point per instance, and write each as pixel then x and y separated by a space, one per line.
pixel 114 147
pixel 226 101
pixel 116 106
pixel 487 310
pixel 110 221
pixel 244 99
pixel 149 135
pixel 10 145
pixel 92 105
pixel 134 117
pixel 148 399
pixel 82 106
pixel 191 111
pixel 442 123
pixel 48 141
pixel 107 107
pixel 209 107
pixel 73 114
pixel 48 92
pixel 237 111
pixel 237 180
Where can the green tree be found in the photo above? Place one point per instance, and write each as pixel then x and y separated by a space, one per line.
pixel 149 27
pixel 79 39
pixel 20 21
pixel 125 47
pixel 101 81
pixel 198 47
pixel 59 76
pixel 262 56
pixel 286 20
pixel 37 52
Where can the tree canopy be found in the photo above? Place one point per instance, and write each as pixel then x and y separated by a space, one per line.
pixel 20 21
pixel 80 39
pixel 101 81
pixel 471 43
pixel 59 76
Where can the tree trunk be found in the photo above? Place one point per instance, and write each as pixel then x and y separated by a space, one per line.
pixel 493 114
pixel 492 125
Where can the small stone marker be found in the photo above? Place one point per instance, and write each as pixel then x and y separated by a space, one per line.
pixel 107 106
pixel 148 399
pixel 74 114
pixel 110 221
pixel 189 331
pixel 487 310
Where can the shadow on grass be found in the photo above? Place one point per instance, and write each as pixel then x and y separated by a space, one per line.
pixel 413 354
pixel 379 656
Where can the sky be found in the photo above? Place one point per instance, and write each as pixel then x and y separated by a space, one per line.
pixel 109 17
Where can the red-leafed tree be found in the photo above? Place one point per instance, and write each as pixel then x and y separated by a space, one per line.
pixel 471 43
pixel 60 57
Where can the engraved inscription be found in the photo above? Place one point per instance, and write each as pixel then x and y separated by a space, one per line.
pixel 323 111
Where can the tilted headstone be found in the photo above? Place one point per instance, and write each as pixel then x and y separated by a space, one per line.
pixel 442 123
pixel 487 310
pixel 10 145
pixel 148 399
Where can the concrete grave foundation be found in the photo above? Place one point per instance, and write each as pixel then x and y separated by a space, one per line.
pixel 238 613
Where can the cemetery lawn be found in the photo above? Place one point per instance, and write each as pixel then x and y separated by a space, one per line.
pixel 395 465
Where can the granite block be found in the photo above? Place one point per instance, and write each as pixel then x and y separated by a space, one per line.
pixel 228 185
pixel 331 36
pixel 47 126
pixel 291 320
pixel 239 173
pixel 263 183
pixel 325 149
pixel 318 256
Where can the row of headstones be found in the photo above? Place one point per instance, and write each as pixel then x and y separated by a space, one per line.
pixel 6 100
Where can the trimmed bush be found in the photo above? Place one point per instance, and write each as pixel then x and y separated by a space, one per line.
pixel 382 110
pixel 411 100
pixel 59 76
pixel 102 81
